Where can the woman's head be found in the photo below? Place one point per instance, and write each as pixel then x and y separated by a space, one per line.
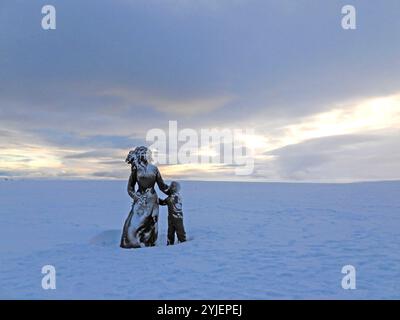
pixel 139 155
pixel 175 186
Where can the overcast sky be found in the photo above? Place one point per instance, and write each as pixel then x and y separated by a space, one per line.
pixel 324 102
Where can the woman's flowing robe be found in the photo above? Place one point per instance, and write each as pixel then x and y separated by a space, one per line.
pixel 141 228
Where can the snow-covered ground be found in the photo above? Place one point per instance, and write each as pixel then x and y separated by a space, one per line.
pixel 249 241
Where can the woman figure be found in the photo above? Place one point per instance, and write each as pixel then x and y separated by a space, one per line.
pixel 140 228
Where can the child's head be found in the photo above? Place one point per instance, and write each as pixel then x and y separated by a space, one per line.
pixel 175 187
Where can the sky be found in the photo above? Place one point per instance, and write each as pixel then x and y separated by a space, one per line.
pixel 324 102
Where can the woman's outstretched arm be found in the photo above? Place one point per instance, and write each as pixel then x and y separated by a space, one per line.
pixel 161 184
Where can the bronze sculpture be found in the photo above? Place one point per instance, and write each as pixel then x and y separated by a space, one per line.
pixel 140 228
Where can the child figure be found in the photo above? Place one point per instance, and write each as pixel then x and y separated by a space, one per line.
pixel 175 214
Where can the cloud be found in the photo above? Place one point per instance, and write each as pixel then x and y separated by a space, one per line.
pixel 170 105
pixel 348 117
pixel 93 154
pixel 111 174
pixel 341 158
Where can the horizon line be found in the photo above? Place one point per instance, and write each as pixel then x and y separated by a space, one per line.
pixel 103 179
